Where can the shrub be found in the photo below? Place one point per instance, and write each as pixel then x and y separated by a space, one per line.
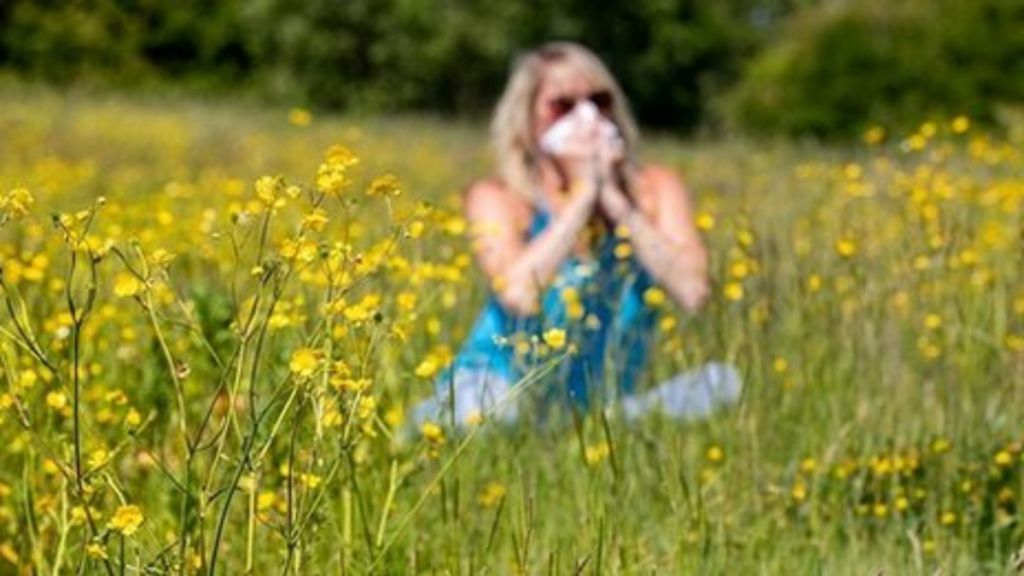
pixel 839 69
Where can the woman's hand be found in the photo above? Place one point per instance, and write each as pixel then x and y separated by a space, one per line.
pixel 611 199
pixel 520 270
pixel 668 244
pixel 586 148
pixel 579 159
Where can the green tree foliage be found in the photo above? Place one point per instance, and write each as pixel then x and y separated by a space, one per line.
pixel 124 42
pixel 899 63
pixel 775 66
pixel 444 55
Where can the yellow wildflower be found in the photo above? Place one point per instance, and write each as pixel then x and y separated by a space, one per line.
pixel 492 494
pixel 654 297
pixel 846 247
pixel 432 433
pixel 126 520
pixel 56 400
pixel 127 285
pixel 596 453
pixel 428 367
pixel 299 117
pixel 304 362
pixel 733 291
pixel 1003 458
pixel 555 338
pixel 386 185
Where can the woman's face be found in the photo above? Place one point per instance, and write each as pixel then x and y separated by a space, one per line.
pixel 560 85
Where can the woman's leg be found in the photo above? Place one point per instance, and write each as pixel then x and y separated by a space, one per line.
pixel 689 395
pixel 465 395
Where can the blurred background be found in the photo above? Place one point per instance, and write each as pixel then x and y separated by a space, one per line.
pixel 825 68
pixel 858 171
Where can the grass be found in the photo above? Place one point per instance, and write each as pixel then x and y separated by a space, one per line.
pixel 871 296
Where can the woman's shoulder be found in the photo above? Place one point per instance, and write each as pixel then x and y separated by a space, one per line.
pixel 489 197
pixel 657 183
pixel 658 178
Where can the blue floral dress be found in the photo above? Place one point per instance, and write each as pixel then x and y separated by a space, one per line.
pixel 597 301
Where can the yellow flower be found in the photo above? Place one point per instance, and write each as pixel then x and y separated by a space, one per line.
pixel 596 453
pixel 406 301
pixel 492 494
pixel 315 219
pixel 846 247
pixel 128 285
pixel 667 323
pixel 941 445
pixel 56 400
pixel 133 418
pixel 799 492
pixel 432 433
pixel 416 228
pixel 623 250
pixel 98 459
pixel 394 416
pixel 332 175
pixel 96 550
pixel 386 185
pixel 428 367
pixel 1003 458
pixel 366 407
pixel 780 365
pixel 745 238
pixel 8 553
pixel 265 500
pixel 16 202
pixel 814 283
pixel 268 191
pixel 455 226
pixel 304 362
pixel 874 135
pixel 734 291
pixel 739 270
pixel 303 250
pixel 715 454
pixel 126 519
pixel 555 337
pixel 960 124
pixel 654 297
pixel 299 117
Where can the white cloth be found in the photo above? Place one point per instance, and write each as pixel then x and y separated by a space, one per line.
pixel 555 139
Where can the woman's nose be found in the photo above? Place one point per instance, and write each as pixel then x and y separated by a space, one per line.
pixel 587 110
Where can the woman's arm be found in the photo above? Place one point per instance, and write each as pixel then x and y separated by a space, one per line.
pixel 519 270
pixel 668 246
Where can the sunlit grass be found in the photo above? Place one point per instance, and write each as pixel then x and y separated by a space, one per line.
pixel 255 313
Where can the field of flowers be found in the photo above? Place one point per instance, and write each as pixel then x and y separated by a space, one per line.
pixel 216 317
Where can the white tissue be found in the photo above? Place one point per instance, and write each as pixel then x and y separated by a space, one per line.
pixel 554 141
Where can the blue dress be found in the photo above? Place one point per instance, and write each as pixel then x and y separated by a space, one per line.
pixel 597 301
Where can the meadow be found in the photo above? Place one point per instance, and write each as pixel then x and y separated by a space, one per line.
pixel 217 315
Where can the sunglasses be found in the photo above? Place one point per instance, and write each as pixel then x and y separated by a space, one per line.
pixel 601 99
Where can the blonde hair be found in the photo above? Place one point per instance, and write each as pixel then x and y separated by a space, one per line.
pixel 512 137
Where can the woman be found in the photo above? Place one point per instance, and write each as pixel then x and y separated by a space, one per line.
pixel 578 242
